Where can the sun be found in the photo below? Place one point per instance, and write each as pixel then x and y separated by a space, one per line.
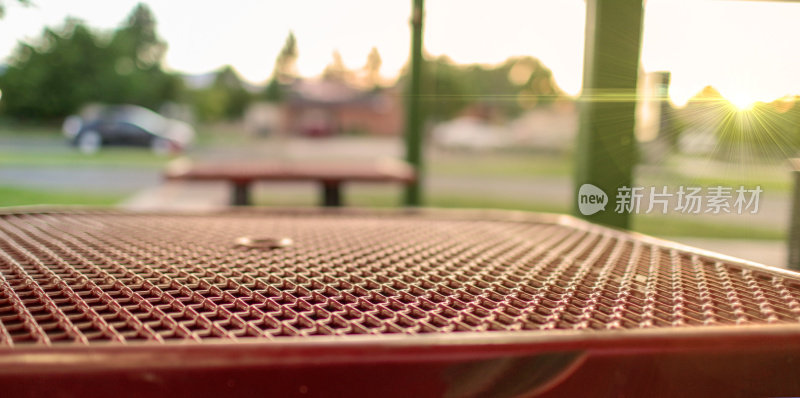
pixel 742 103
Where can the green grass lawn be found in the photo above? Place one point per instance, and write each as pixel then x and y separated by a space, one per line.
pixel 108 157
pixel 774 177
pixel 779 180
pixel 14 196
pixel 506 165
pixel 660 226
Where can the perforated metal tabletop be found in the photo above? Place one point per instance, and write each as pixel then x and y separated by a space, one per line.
pixel 392 303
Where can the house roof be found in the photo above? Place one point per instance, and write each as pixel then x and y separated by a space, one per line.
pixel 330 92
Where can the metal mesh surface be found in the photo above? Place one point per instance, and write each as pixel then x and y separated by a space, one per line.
pixel 82 277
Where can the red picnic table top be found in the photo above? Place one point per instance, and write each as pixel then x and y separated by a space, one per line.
pixel 377 171
pixel 409 303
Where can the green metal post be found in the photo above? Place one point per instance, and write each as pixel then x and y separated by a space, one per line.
pixel 606 150
pixel 414 138
pixel 794 220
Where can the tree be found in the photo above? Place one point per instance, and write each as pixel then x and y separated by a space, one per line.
pixel 273 92
pixel 336 70
pixel 373 68
pixel 225 98
pixel 539 88
pixel 52 78
pixel 284 71
pixel 237 97
pixel 138 53
pixel 443 90
pixel 511 87
pixel 138 40
pixel 69 67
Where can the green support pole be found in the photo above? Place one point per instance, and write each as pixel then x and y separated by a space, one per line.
pixel 414 144
pixel 606 150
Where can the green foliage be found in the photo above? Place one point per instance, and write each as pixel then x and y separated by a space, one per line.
pixel 443 91
pixel 274 91
pixel 41 82
pixel 225 98
pixel 285 68
pixel 284 71
pixel 373 68
pixel 517 84
pixel 71 66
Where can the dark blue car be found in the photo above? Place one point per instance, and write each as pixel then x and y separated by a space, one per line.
pixel 127 125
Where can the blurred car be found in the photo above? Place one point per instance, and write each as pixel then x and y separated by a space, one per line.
pixel 126 125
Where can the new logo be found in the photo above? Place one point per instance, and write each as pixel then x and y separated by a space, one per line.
pixel 591 199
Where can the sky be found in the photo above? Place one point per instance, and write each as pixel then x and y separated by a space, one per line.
pixel 747 50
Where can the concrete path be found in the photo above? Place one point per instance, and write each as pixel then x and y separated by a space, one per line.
pixel 179 195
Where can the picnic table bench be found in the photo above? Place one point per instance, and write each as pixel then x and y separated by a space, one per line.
pixel 329 175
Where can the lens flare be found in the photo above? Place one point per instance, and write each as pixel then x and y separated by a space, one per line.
pixel 742 103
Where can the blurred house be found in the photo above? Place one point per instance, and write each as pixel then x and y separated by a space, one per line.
pixel 471 133
pixel 264 119
pixel 551 128
pixel 479 126
pixel 320 108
